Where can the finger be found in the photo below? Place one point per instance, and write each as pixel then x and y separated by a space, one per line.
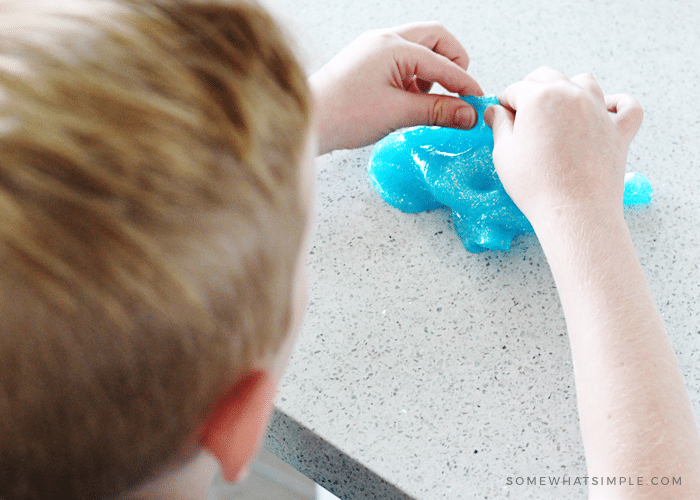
pixel 500 120
pixel 416 60
pixel 588 83
pixel 513 97
pixel 435 37
pixel 545 74
pixel 436 110
pixel 627 114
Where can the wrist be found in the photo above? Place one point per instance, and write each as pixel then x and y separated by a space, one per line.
pixel 323 112
pixel 594 264
pixel 586 247
pixel 579 227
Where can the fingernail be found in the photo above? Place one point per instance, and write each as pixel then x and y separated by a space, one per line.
pixel 488 116
pixel 465 117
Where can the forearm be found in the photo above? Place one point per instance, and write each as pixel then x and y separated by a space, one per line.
pixel 636 418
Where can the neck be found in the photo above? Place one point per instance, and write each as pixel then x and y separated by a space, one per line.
pixel 191 481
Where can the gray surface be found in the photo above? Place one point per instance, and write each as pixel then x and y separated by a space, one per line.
pixel 269 478
pixel 446 372
pixel 318 459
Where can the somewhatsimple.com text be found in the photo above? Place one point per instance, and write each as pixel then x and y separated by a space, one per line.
pixel 591 481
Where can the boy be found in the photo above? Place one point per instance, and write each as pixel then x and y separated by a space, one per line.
pixel 155 178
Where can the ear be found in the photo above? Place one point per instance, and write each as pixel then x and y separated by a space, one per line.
pixel 235 429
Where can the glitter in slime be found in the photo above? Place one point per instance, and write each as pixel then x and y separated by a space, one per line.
pixel 422 168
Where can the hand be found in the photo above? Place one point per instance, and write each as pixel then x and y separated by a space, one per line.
pixel 560 145
pixel 380 83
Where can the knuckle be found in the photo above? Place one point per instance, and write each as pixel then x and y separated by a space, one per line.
pixel 576 93
pixel 559 96
pixel 383 35
pixel 588 82
pixel 388 37
pixel 546 95
pixel 431 25
pixel 437 112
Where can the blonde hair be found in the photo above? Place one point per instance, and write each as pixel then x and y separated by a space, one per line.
pixel 150 222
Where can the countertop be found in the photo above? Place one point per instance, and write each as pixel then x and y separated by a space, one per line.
pixel 424 371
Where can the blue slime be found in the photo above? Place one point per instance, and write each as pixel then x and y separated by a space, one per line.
pixel 422 168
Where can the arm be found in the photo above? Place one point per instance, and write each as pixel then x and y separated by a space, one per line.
pixel 636 419
pixel 380 83
pixel 560 152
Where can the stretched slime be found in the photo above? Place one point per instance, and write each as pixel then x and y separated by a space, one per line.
pixel 422 168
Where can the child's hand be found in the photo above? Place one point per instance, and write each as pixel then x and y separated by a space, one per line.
pixel 380 83
pixel 561 146
pixel 560 152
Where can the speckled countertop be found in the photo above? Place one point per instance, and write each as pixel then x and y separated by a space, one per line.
pixel 426 372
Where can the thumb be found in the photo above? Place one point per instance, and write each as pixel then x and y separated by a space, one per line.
pixel 500 120
pixel 438 110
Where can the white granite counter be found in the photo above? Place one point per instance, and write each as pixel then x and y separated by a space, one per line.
pixel 428 370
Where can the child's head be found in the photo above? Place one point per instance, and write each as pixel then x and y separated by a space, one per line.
pixel 150 224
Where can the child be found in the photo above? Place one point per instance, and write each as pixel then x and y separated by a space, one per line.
pixel 155 185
